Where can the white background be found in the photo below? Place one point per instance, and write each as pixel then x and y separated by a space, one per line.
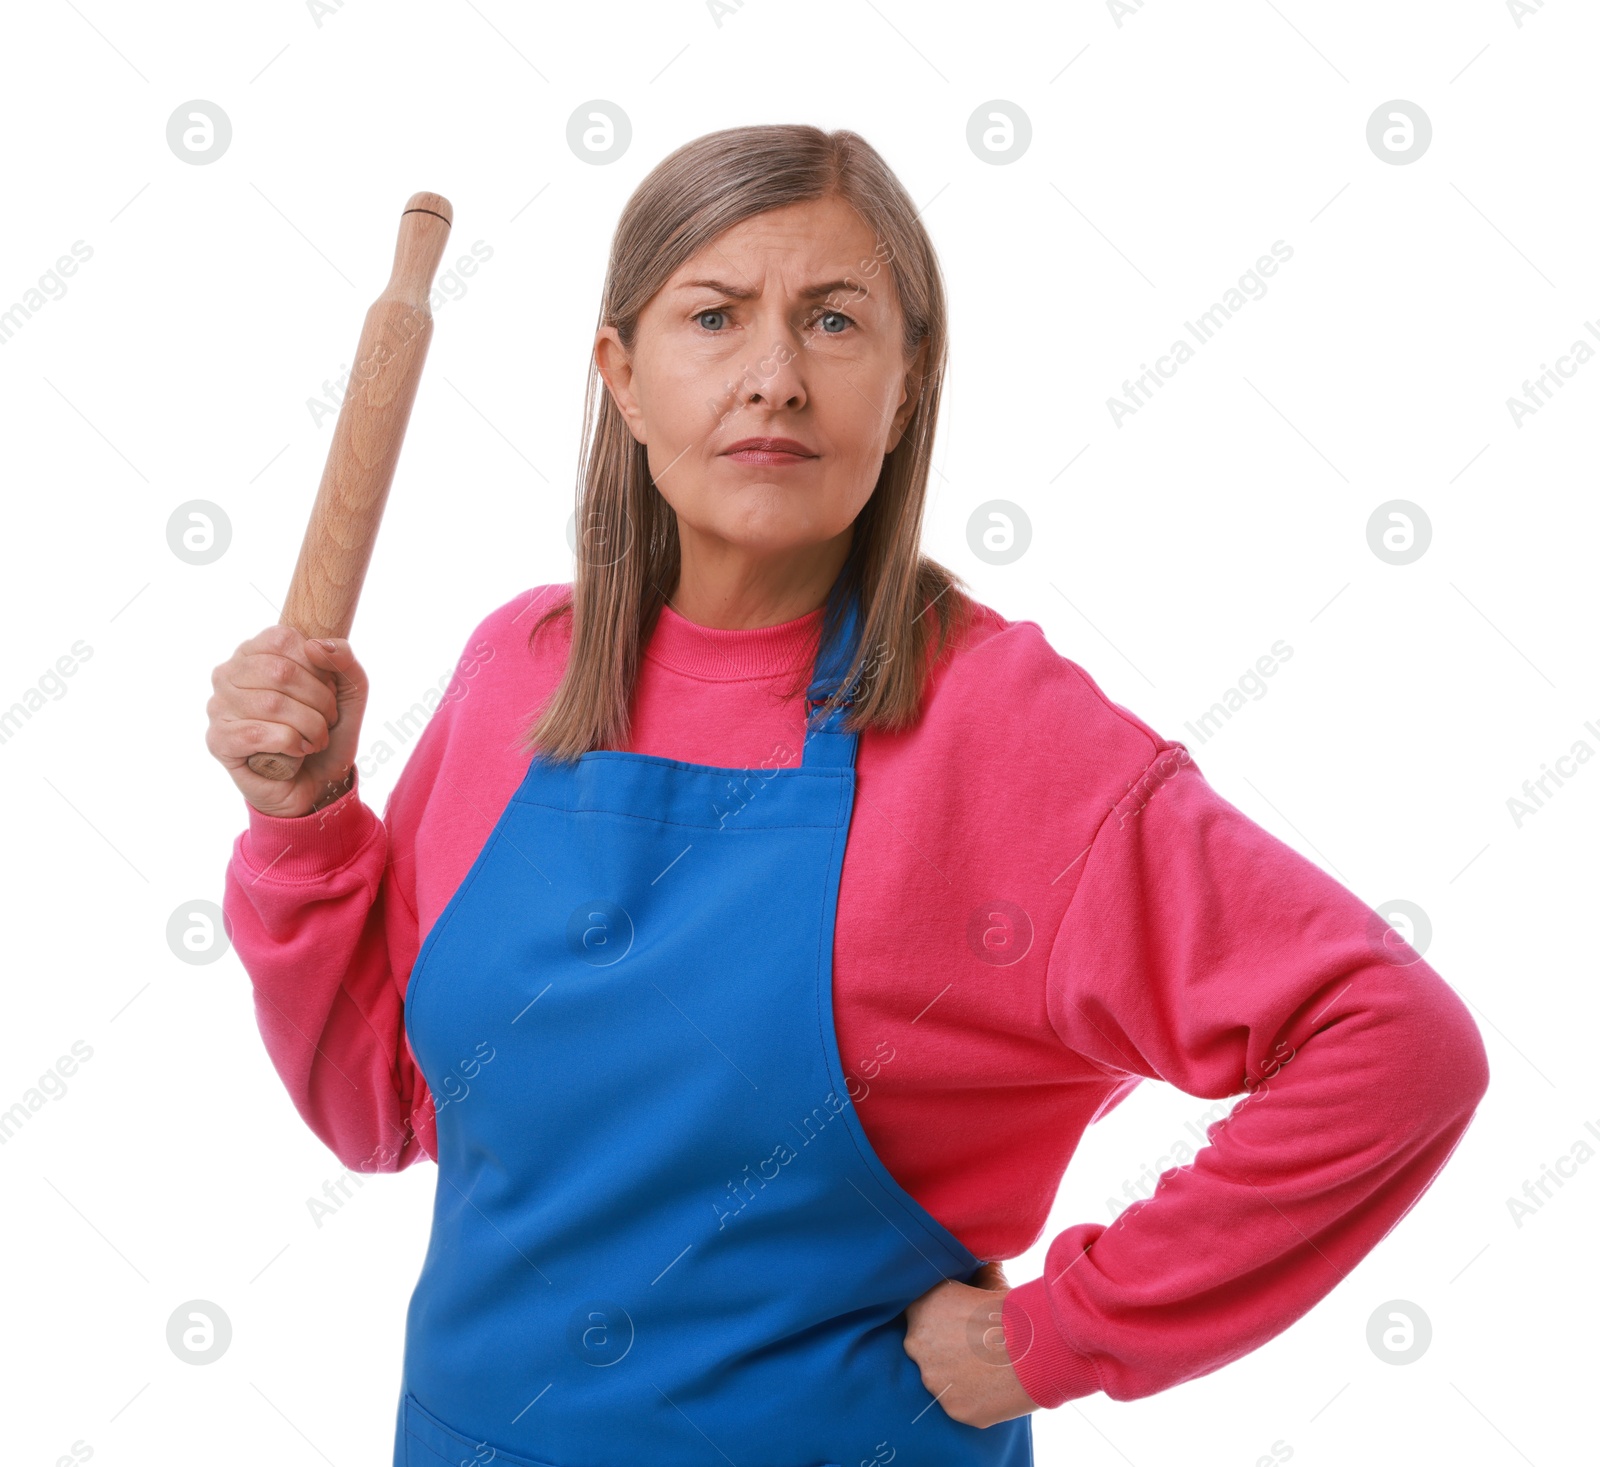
pixel 1168 153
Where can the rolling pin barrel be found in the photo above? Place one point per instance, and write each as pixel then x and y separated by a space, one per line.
pixel 367 438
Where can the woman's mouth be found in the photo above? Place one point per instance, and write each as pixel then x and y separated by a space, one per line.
pixel 768 452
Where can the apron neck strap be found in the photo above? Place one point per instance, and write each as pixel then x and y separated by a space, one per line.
pixel 827 744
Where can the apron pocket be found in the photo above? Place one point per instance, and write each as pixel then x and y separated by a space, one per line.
pixel 430 1443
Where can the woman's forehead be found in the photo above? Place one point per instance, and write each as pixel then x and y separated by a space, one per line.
pixel 815 234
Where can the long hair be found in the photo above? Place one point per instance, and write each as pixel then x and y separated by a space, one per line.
pixel 628 550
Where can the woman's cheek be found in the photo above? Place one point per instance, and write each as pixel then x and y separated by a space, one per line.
pixel 672 413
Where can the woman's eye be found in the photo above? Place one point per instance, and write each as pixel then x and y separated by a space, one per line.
pixel 837 317
pixel 718 319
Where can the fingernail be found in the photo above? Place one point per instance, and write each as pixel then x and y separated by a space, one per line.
pixel 325 644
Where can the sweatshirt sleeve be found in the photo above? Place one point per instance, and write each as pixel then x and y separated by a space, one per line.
pixel 322 912
pixel 1201 950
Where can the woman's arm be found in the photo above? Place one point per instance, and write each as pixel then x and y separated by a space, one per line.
pixel 322 910
pixel 1201 950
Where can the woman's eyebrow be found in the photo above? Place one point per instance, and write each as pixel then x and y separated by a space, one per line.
pixel 851 287
pixel 719 287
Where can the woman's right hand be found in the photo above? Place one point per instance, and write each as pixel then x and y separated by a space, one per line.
pixel 283 693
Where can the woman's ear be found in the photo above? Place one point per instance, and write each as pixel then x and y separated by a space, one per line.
pixel 913 391
pixel 616 371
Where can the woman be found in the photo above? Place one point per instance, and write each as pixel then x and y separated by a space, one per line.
pixel 734 1116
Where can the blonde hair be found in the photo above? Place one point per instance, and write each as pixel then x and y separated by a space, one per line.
pixel 628 550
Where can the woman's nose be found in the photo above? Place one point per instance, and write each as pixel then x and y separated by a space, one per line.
pixel 777 379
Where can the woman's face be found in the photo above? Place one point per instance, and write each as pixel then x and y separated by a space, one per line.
pixel 786 327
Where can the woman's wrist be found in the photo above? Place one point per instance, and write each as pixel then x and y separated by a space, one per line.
pixel 335 790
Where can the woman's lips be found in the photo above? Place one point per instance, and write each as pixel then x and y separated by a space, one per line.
pixel 769 452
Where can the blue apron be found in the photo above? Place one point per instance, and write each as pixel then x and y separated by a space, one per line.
pixel 660 1234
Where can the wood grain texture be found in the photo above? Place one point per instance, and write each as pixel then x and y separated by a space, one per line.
pixel 367 438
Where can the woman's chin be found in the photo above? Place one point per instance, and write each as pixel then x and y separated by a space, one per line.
pixel 767 519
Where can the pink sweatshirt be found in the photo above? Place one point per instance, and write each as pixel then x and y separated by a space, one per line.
pixel 1042 902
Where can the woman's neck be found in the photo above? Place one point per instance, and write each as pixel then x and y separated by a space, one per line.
pixel 721 584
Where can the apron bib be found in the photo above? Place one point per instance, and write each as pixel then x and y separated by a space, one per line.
pixel 660 1234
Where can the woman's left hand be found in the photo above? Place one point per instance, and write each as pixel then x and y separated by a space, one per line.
pixel 954 1334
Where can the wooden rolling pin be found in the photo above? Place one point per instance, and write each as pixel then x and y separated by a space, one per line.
pixel 366 443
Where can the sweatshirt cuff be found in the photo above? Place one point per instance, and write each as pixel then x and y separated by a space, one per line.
pixel 305 847
pixel 1050 1370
